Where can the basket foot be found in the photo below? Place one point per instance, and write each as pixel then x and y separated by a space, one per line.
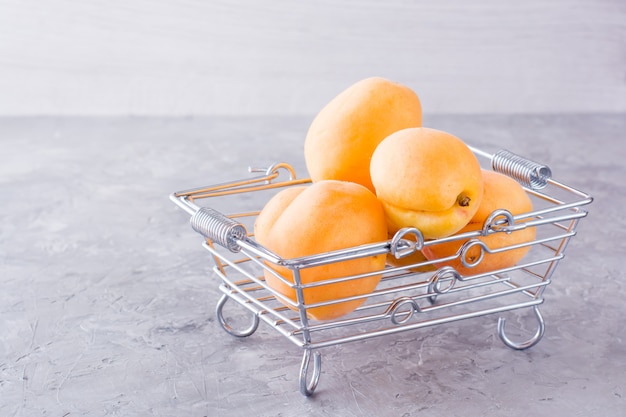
pixel 219 311
pixel 307 388
pixel 528 343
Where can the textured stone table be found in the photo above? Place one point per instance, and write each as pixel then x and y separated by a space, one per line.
pixel 107 301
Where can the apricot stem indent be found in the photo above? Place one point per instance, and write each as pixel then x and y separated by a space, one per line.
pixel 463 200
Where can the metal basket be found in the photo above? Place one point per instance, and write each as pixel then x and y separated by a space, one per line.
pixel 405 298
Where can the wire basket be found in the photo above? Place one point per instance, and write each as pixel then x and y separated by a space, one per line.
pixel 408 297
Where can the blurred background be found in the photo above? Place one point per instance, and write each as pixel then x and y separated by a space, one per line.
pixel 191 57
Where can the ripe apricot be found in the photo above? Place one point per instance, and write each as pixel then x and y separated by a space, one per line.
pixel 342 137
pixel 500 192
pixel 326 216
pixel 427 179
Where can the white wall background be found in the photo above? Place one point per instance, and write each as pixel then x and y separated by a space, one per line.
pixel 191 57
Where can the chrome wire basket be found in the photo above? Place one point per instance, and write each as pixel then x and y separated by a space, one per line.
pixel 405 299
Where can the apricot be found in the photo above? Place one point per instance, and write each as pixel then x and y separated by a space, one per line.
pixel 325 216
pixel 500 192
pixel 428 179
pixel 342 137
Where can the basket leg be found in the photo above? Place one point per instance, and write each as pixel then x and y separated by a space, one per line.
pixel 307 388
pixel 528 343
pixel 227 327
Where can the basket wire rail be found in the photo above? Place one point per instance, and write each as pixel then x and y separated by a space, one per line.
pixel 408 297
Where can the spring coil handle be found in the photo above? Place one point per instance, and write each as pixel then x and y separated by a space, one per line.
pixel 217 227
pixel 528 173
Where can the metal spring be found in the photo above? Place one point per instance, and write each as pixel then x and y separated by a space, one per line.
pixel 217 227
pixel 528 173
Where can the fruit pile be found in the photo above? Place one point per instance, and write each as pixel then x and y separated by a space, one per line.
pixel 374 171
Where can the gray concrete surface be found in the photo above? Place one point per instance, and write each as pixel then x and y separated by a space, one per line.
pixel 107 301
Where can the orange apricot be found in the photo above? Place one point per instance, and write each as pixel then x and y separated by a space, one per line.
pixel 325 216
pixel 428 179
pixel 342 137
